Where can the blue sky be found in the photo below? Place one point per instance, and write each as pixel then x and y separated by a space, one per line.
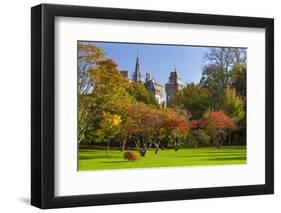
pixel 159 60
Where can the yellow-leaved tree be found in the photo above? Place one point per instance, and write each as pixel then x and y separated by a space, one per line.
pixel 110 126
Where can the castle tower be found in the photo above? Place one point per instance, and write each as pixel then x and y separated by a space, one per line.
pixel 137 73
pixel 154 88
pixel 173 86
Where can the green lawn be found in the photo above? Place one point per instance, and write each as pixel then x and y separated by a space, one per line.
pixel 90 159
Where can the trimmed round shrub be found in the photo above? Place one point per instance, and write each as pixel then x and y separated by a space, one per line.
pixel 131 156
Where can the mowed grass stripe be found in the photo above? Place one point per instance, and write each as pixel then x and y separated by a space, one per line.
pixel 97 160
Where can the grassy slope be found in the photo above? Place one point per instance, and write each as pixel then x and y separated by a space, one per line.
pixel 96 159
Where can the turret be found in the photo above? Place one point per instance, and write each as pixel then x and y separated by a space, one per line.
pixel 173 86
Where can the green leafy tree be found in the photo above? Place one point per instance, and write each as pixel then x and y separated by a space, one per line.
pixel 198 138
pixel 214 80
pixel 238 79
pixel 141 94
pixel 194 99
pixel 220 71
pixel 233 104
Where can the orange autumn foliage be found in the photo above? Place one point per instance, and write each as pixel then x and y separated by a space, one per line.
pixel 196 123
pixel 131 156
pixel 217 120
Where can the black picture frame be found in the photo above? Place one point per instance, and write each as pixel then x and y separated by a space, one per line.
pixel 43 102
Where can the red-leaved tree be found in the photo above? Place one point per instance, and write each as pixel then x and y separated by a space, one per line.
pixel 176 127
pixel 216 124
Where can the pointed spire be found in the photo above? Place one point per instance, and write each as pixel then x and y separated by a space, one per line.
pixel 174 74
pixel 175 69
pixel 137 72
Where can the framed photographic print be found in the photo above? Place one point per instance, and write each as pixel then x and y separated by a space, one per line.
pixel 139 106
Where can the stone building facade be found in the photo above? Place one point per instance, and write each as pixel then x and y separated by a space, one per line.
pixel 150 84
pixel 154 88
pixel 173 86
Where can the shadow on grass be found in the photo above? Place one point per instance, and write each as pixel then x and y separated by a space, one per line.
pixel 121 161
pixel 208 155
pixel 222 151
pixel 81 157
pixel 225 158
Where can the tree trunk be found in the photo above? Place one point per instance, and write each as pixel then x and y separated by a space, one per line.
pixel 156 150
pixel 229 139
pixel 218 142
pixel 143 152
pixel 218 145
pixel 176 144
pixel 156 144
pixel 123 144
pixel 107 153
